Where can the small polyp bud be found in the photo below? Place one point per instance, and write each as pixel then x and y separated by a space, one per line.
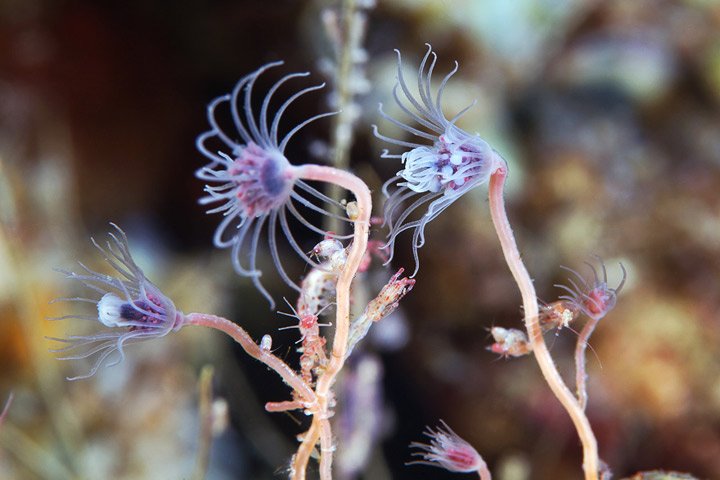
pixel 389 297
pixel 266 342
pixel 509 342
pixel 380 307
pixel 352 210
pixel 449 451
pixel 594 298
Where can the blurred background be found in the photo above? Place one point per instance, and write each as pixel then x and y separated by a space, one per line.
pixel 607 112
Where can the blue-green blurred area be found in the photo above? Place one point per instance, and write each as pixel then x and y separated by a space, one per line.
pixel 607 113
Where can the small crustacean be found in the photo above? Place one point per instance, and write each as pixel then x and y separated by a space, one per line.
pixel 313 358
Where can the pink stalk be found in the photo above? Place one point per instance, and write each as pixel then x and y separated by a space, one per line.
pixel 530 306
pixel 286 406
pixel 318 403
pixel 580 374
pixel 326 449
pixel 342 320
pixel 302 456
pixel 254 350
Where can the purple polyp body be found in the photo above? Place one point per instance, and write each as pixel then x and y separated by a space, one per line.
pixel 130 307
pixel 256 186
pixel 143 315
pixel 262 179
pixel 128 312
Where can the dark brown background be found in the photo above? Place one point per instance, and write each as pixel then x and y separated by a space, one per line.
pixel 606 111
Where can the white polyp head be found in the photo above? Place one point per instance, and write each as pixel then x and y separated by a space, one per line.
pixel 110 310
pixel 456 159
pixel 421 170
pixel 266 342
